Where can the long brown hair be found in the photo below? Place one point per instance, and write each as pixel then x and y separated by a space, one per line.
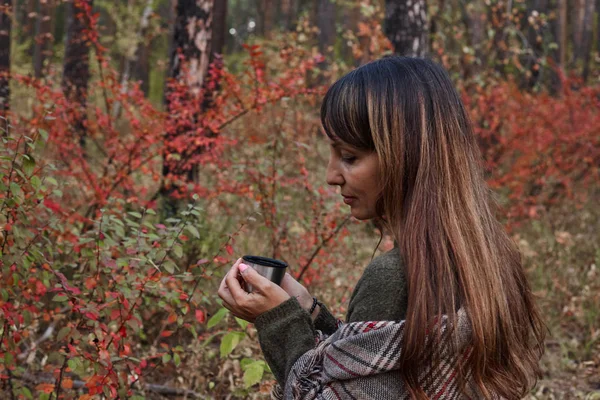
pixel 435 202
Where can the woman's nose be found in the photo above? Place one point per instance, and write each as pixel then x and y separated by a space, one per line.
pixel 334 177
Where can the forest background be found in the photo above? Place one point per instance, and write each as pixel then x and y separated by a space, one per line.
pixel 146 144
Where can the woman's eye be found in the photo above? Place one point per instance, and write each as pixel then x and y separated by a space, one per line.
pixel 348 159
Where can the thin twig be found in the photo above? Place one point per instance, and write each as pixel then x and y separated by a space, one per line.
pixel 321 245
pixel 60 378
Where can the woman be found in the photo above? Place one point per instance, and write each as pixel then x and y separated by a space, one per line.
pixel 404 154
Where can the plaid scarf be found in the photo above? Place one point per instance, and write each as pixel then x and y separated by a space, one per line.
pixel 360 361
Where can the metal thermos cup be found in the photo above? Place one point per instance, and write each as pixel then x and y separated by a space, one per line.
pixel 273 270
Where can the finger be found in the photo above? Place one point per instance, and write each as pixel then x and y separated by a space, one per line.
pixel 223 284
pixel 287 281
pixel 233 271
pixel 252 277
pixel 225 294
pixel 233 283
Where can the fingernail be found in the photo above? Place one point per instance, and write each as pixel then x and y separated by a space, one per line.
pixel 243 267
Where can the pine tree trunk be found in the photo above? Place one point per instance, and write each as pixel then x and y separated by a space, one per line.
pixel 141 71
pixel 266 12
pixel 474 17
pixel 43 36
pixel 5 31
pixel 588 28
pixel 288 14
pixel 219 28
pixel 535 38
pixel 500 18
pixel 29 22
pixel 577 23
pixel 326 25
pixel 406 26
pixel 76 68
pixel 560 31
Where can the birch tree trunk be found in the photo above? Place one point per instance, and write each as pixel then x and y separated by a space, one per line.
pixel 192 39
pixel 406 26
pixel 195 46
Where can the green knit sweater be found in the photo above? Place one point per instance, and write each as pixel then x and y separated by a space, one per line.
pixel 287 331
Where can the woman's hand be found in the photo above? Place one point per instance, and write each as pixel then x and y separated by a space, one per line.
pixel 295 289
pixel 265 294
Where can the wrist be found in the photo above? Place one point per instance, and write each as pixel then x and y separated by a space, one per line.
pixel 313 307
pixel 306 302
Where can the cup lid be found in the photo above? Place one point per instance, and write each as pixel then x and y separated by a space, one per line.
pixel 267 262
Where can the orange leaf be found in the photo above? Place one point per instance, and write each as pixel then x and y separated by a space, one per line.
pixel 45 387
pixel 166 333
pixel 67 384
pixel 172 318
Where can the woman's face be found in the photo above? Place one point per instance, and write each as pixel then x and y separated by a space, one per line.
pixel 356 172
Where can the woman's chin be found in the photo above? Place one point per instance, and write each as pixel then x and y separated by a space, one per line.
pixel 360 215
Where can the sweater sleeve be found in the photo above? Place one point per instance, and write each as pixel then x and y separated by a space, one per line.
pixel 325 321
pixel 285 333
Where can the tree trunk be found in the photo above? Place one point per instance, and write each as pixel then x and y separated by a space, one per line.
pixel 406 26
pixel 500 17
pixel 76 68
pixel 535 38
pixel 219 28
pixel 326 25
pixel 266 12
pixel 5 31
pixel 43 36
pixel 141 70
pixel 577 23
pixel 288 14
pixel 195 46
pixel 560 31
pixel 588 28
pixel 474 18
pixel 29 22
pixel 192 42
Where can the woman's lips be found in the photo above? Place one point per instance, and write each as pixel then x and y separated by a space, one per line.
pixel 349 200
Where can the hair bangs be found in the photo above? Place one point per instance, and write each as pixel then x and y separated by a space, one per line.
pixel 344 113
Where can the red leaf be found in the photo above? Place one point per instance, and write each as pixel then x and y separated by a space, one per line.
pixel 200 317
pixel 52 205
